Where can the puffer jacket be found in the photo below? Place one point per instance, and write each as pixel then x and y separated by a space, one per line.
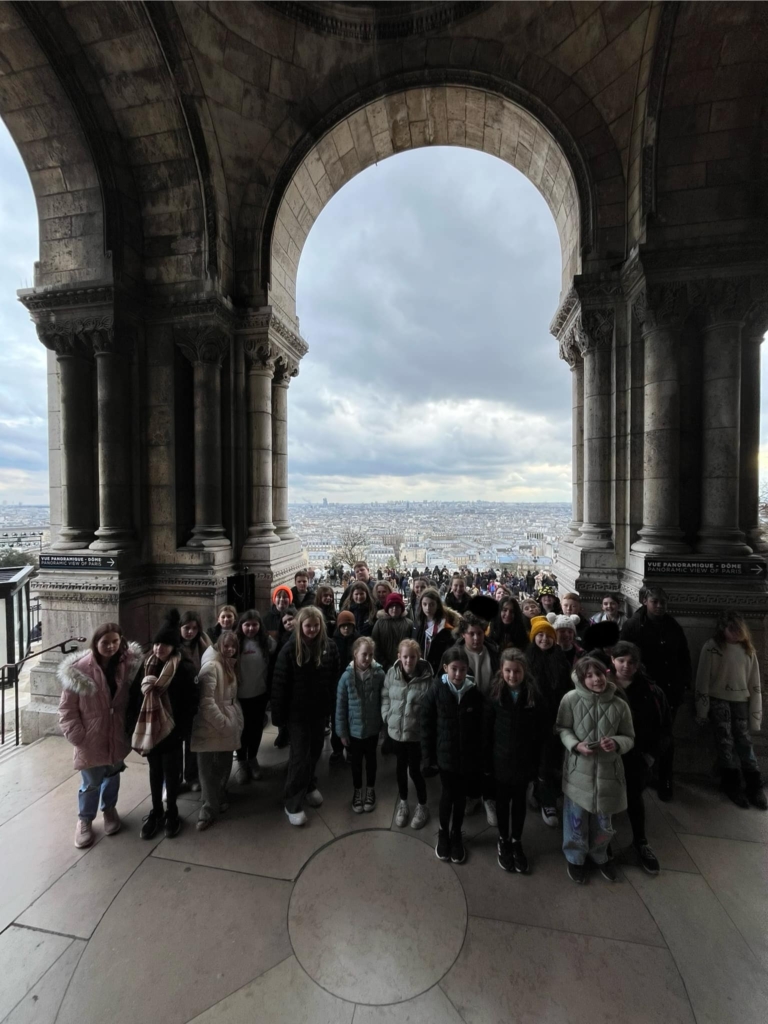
pixel 218 724
pixel 387 635
pixel 595 782
pixel 452 729
pixel 358 703
pixel 91 719
pixel 304 693
pixel 402 700
pixel 514 731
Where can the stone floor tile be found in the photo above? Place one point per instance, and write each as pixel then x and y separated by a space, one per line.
pixel 36 847
pixel 376 918
pixel 25 956
pixel 509 972
pixel 253 836
pixel 187 937
pixel 335 783
pixel 30 774
pixel 475 824
pixel 662 838
pixel 270 756
pixel 703 810
pixel 548 898
pixel 724 980
pixel 41 1004
pixel 77 901
pixel 432 1007
pixel 737 873
pixel 284 995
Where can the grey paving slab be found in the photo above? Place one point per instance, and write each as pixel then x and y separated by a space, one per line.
pixel 376 918
pixel 41 1004
pixel 25 956
pixel 32 773
pixel 180 934
pixel 724 979
pixel 514 973
pixel 283 995
pixel 432 1007
pixel 662 837
pixel 704 811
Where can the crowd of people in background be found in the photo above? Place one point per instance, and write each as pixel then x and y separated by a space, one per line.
pixel 499 685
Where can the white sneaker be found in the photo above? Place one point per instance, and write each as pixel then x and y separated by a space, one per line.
pixel 315 798
pixel 533 800
pixel 255 768
pixel 473 802
pixel 549 816
pixel 420 816
pixel 403 810
pixel 242 775
pixel 299 818
pixel 490 813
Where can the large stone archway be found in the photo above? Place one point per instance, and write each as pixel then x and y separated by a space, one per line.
pixel 179 153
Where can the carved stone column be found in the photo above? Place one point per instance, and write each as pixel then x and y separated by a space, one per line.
pixel 594 333
pixel 76 427
pixel 749 446
pixel 206 345
pixel 284 371
pixel 723 305
pixel 658 310
pixel 112 348
pixel 570 353
pixel 261 369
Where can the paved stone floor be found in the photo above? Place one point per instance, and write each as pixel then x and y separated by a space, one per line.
pixel 351 919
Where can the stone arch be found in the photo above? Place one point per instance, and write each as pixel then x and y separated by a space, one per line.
pixel 471 115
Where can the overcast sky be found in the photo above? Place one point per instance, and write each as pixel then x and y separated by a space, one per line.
pixel 425 291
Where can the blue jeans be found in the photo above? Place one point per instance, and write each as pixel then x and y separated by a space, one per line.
pixel 584 834
pixel 102 781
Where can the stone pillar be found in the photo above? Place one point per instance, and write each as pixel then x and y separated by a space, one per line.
pixel 657 310
pixel 113 398
pixel 723 309
pixel 283 373
pixel 261 369
pixel 76 425
pixel 206 346
pixel 595 338
pixel 749 445
pixel 570 353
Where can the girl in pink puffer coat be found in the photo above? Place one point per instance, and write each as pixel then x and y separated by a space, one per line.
pixel 94 697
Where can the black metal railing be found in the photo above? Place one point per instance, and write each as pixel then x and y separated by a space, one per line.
pixel 9 677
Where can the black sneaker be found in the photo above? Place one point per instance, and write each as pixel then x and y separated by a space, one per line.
pixel 608 871
pixel 336 757
pixel 151 824
pixel 458 853
pixel 369 802
pixel 648 860
pixel 518 857
pixel 172 825
pixel 577 873
pixel 357 801
pixel 505 859
pixel 443 848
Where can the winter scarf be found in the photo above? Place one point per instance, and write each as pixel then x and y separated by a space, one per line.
pixel 155 720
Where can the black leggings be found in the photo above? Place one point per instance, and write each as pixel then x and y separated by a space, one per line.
pixel 253 726
pixel 359 749
pixel 514 795
pixel 453 799
pixel 409 760
pixel 636 776
pixel 165 768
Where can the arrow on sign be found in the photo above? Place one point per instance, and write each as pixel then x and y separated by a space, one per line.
pixel 111 562
pixel 759 569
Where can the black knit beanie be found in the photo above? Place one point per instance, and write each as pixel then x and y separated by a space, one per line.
pixel 169 632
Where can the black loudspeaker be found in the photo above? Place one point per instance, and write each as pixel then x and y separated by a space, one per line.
pixel 241 591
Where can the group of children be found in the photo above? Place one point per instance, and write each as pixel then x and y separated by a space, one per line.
pixel 502 704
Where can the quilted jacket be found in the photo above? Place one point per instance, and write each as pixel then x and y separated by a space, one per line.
pixel 596 781
pixel 401 701
pixel 452 729
pixel 358 703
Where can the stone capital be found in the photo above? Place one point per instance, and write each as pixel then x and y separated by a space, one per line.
pixel 720 300
pixel 285 370
pixel 202 342
pixel 594 329
pixel 755 323
pixel 259 354
pixel 568 344
pixel 660 306
pixel 266 327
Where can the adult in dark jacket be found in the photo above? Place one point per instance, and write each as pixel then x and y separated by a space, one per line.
pixel 652 724
pixel 303 697
pixel 667 660
pixel 180 696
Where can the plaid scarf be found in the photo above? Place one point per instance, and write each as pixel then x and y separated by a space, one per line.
pixel 155 721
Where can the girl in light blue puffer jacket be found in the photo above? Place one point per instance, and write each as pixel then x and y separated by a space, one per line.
pixel 358 719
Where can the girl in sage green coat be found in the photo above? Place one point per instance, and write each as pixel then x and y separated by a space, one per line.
pixel 595 726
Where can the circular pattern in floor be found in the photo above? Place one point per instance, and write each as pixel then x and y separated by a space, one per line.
pixel 377 918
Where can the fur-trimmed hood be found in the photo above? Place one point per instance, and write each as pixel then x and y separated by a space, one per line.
pixel 78 681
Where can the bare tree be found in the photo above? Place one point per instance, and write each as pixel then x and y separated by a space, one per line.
pixel 396 541
pixel 352 545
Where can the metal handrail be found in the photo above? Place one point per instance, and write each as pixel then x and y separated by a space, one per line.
pixel 12 671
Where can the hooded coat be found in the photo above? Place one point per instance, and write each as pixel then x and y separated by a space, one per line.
pixel 306 692
pixel 218 724
pixel 90 717
pixel 402 700
pixel 358 703
pixel 595 782
pixel 514 731
pixel 452 728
